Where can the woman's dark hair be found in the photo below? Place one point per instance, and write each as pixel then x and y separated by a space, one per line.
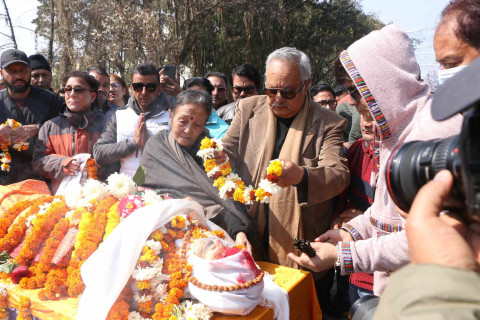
pixel 198 97
pixel 198 81
pixel 123 84
pixel 92 83
pixel 467 15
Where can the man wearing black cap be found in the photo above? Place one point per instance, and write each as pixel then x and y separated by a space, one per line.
pixel 41 72
pixel 26 104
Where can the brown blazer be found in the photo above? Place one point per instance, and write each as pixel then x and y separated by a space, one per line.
pixel 319 150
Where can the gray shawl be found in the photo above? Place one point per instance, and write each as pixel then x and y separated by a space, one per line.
pixel 171 168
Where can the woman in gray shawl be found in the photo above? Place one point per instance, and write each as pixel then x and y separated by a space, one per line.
pixel 173 167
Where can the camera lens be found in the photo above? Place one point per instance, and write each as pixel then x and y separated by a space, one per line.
pixel 415 163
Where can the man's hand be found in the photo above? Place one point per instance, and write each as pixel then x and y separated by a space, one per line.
pixel 169 85
pixel 140 134
pixel 24 133
pixel 440 240
pixel 291 174
pixel 220 157
pixel 241 239
pixel 334 236
pixel 71 168
pixel 5 134
pixel 325 258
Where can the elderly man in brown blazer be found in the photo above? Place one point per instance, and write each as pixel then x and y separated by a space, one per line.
pixel 287 124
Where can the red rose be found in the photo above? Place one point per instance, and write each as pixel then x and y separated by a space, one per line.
pixel 19 273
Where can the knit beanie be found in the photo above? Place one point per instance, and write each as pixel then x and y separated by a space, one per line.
pixel 37 61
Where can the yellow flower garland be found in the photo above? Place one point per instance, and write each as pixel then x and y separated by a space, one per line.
pixel 5 157
pixel 231 185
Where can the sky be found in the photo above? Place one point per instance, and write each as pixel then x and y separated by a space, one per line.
pixel 410 15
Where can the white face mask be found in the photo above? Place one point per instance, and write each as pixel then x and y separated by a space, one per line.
pixel 445 74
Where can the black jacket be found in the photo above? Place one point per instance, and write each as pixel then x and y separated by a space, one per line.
pixel 40 106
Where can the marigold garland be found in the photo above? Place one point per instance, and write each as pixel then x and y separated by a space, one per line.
pixel 231 185
pixel 17 231
pixel 91 230
pixel 42 225
pixel 55 285
pixel 92 169
pixel 5 157
pixel 113 219
pixel 42 269
pixel 7 219
pixel 24 312
pixel 3 302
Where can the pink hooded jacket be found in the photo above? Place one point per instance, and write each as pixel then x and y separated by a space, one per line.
pixel 385 71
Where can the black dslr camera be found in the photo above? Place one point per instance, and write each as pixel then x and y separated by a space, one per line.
pixel 415 163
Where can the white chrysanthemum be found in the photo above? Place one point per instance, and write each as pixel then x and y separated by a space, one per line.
pixel 212 172
pixel 227 187
pixel 219 144
pixel 134 315
pixel 142 298
pixel 160 291
pixel 73 196
pixel 155 245
pixel 120 185
pixel 194 311
pixel 269 187
pixel 94 189
pixel 232 177
pixel 246 195
pixel 162 229
pixel 142 274
pixel 187 223
pixel 206 153
pixel 150 196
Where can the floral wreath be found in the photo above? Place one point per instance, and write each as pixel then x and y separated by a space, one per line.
pixel 5 157
pixel 230 185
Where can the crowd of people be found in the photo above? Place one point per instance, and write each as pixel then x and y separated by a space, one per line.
pixel 334 141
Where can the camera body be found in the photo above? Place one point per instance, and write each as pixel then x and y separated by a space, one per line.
pixel 415 163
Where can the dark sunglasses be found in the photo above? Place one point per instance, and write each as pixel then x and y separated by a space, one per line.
pixel 354 93
pixel 138 87
pixel 285 93
pixel 68 90
pixel 327 102
pixel 248 90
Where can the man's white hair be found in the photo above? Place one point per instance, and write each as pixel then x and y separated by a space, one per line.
pixel 291 55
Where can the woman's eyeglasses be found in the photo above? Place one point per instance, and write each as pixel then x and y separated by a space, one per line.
pixel 285 93
pixel 138 87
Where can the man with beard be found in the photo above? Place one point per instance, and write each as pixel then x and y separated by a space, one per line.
pixel 41 72
pixel 26 104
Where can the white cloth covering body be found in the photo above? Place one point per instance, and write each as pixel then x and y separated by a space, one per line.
pixel 108 269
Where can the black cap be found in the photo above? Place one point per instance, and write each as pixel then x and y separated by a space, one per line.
pixel 37 61
pixel 13 55
pixel 457 93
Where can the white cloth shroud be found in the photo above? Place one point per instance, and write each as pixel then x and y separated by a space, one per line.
pixel 108 269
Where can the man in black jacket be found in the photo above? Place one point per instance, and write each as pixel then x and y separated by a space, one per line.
pixel 26 104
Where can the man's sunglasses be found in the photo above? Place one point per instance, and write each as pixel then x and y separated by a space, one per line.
pixel 68 90
pixel 138 87
pixel 285 93
pixel 238 90
pixel 354 93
